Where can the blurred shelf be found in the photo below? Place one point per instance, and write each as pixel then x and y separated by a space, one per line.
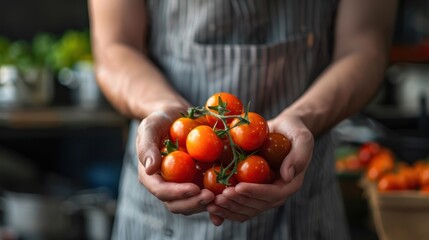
pixel 60 117
pixel 417 53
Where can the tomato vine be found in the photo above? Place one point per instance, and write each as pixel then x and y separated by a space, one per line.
pixel 220 113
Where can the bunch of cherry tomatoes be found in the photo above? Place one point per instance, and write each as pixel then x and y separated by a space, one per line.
pixel 221 144
pixel 390 175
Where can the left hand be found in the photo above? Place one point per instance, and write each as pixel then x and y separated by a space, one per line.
pixel 246 200
pixel 179 198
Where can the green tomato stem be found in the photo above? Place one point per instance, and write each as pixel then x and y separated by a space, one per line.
pixel 225 173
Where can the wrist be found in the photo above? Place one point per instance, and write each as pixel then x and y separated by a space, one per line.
pixel 171 108
pixel 173 111
pixel 311 117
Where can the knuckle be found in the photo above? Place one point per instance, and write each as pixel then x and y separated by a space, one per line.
pixel 157 194
pixel 305 135
pixel 145 126
pixel 142 125
pixel 140 154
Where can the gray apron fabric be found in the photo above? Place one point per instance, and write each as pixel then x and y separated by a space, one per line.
pixel 266 52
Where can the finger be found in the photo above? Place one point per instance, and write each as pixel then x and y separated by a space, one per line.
pixel 150 133
pixel 240 204
pixel 192 205
pixel 166 191
pixel 302 140
pixel 299 156
pixel 275 194
pixel 216 220
pixel 224 213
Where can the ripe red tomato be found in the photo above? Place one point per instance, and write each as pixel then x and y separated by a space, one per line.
pixel 178 167
pixel 233 105
pixel 352 163
pixel 381 163
pixel 250 136
pixel 367 151
pixel 211 183
pixel 254 169
pixel 424 177
pixel 273 176
pixel 180 129
pixel 409 174
pixel 203 144
pixel 275 149
pixel 419 166
pixel 424 190
pixel 391 182
pixel 202 167
pixel 202 120
pixel 227 156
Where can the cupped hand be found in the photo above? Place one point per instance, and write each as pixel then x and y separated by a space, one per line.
pixel 182 198
pixel 246 200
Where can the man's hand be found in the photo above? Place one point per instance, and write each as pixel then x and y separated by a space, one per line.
pixel 246 200
pixel 183 198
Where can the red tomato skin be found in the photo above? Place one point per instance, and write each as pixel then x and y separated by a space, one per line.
pixel 233 104
pixel 211 183
pixel 202 120
pixel 391 182
pixel 178 167
pixel 424 177
pixel 250 136
pixel 227 155
pixel 203 144
pixel 275 149
pixel 180 129
pixel 367 151
pixel 424 190
pixel 254 169
pixel 202 167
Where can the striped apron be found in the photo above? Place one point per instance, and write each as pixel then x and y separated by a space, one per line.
pixel 266 52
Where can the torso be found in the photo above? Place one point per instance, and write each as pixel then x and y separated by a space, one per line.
pixel 265 52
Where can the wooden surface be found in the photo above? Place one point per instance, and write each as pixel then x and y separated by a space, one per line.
pixel 53 117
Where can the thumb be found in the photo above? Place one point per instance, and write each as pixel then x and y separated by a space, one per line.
pixel 299 156
pixel 150 133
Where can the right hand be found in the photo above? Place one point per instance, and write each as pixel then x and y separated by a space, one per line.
pixel 181 198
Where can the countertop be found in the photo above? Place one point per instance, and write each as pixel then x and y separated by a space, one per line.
pixel 60 116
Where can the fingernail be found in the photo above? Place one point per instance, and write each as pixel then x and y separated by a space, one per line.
pixel 292 172
pixel 148 162
pixel 203 202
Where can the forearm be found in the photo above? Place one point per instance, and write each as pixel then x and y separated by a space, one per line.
pixel 362 43
pixel 342 90
pixel 132 83
pixel 127 77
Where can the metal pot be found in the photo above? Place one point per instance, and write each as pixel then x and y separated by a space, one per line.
pixel 81 81
pixel 40 82
pixel 87 214
pixel 411 85
pixel 33 87
pixel 11 90
pixel 35 216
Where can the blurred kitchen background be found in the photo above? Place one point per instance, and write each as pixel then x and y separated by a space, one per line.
pixel 61 143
